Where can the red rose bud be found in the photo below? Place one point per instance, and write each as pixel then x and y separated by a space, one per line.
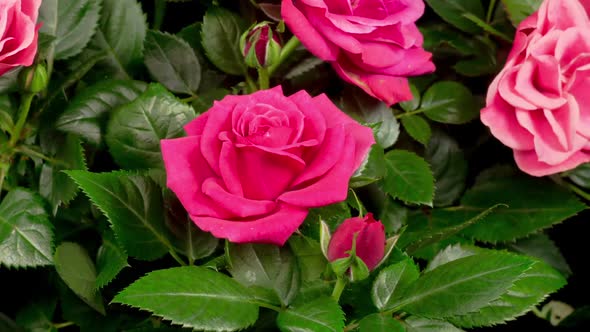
pixel 261 46
pixel 370 240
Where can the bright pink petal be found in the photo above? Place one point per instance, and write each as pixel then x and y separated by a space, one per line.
pixel 239 206
pixel 529 163
pixel 274 229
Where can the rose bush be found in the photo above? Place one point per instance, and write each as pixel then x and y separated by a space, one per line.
pixel 253 165
pixel 373 44
pixel 539 103
pixel 18 33
pixel 369 242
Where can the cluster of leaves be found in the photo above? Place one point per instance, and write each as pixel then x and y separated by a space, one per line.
pixel 471 251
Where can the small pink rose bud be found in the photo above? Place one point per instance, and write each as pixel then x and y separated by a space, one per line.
pixel 261 46
pixel 370 240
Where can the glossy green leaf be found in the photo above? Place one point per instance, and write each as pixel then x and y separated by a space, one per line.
pixel 110 259
pixel 26 236
pixel 133 205
pixel 77 270
pixel 420 324
pixel 412 105
pixel 221 34
pixel 449 167
pixel 408 177
pixel 193 297
pixel 518 10
pixel 87 113
pixel 172 62
pixel 453 12
pixel 72 23
pixel 266 266
pixel 55 185
pixel 310 259
pixel 417 127
pixel 380 323
pixel 533 204
pixel 369 110
pixel 542 247
pixel 135 130
pixel 464 285
pixel 36 316
pixel 449 102
pixel 392 281
pixel 333 215
pixel 372 168
pixel 581 175
pixel 320 315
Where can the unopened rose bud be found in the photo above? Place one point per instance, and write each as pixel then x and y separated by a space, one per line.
pixel 369 243
pixel 33 79
pixel 260 46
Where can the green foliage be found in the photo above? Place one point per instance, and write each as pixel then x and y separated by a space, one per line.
pixel 135 130
pixel 380 323
pixel 26 236
pixel 518 10
pixel 449 102
pixel 391 282
pixel 36 317
pixel 110 259
pixel 417 127
pixel 320 315
pixel 221 34
pixel 408 177
pixel 194 297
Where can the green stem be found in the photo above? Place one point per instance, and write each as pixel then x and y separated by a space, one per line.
pixel 177 258
pixel 32 153
pixel 23 113
pixel 159 14
pixel 491 8
pixel 286 52
pixel 189 99
pixel 579 191
pixel 263 79
pixel 62 325
pixel 250 85
pixel 3 172
pixel 338 288
pixel 418 111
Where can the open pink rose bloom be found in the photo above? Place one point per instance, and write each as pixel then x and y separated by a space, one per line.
pixel 18 33
pixel 373 44
pixel 252 165
pixel 539 104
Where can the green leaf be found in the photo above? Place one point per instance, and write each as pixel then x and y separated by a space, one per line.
pixel 452 11
pixel 533 204
pixel 36 317
pixel 26 236
pixel 333 215
pixel 419 324
pixel 371 169
pixel 71 22
pixel 87 114
pixel 77 270
pixel 120 35
pixel 369 110
pixel 310 259
pixel 133 204
pixel 449 254
pixel 518 10
pixel 417 128
pixel 464 285
pixel 267 266
pixel 110 259
pixel 320 315
pixel 135 130
pixel 581 175
pixel 77 311
pixel 7 324
pixel 193 297
pixel 449 102
pixel 540 246
pixel 55 185
pixel 221 34
pixel 380 323
pixel 172 62
pixel 391 281
pixel 448 166
pixel 408 177
pixel 412 105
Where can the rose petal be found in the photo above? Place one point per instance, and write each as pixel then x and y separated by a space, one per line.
pixel 528 162
pixel 275 228
pixel 501 119
pixel 237 205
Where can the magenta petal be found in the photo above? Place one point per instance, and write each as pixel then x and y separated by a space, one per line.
pixel 196 126
pixel 341 240
pixel 237 205
pixel 274 229
pixel 309 36
pixel 370 244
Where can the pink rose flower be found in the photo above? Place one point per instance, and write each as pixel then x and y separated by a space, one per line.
pixel 370 240
pixel 18 33
pixel 539 104
pixel 373 44
pixel 252 166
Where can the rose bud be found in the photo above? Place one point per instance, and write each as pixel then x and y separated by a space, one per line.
pixel 260 46
pixel 33 79
pixel 369 242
